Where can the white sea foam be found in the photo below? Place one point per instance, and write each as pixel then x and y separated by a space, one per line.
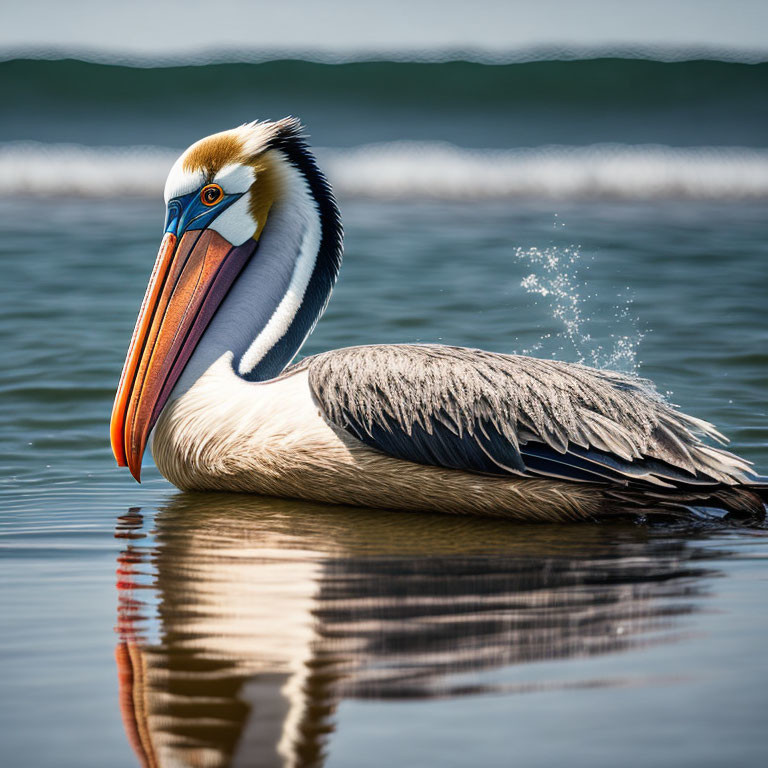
pixel 601 171
pixel 50 169
pixel 423 170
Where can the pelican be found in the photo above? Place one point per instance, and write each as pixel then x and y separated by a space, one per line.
pixel 251 250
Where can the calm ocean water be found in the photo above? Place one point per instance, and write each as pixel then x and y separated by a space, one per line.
pixel 217 630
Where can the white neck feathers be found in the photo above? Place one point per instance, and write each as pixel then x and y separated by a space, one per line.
pixel 293 232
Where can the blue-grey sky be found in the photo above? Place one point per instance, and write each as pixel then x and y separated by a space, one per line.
pixel 171 27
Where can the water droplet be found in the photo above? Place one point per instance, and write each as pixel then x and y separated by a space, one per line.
pixel 555 278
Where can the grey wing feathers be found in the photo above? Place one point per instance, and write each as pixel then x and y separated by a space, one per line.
pixel 488 412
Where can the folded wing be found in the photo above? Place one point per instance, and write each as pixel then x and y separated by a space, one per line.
pixel 506 414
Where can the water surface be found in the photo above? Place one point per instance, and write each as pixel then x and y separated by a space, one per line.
pixel 223 630
pixel 143 625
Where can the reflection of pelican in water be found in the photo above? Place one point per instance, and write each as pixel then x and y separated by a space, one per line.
pixel 271 612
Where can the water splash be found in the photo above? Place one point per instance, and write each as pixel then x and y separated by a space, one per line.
pixel 555 277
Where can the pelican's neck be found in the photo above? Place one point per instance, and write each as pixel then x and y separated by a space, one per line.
pixel 286 285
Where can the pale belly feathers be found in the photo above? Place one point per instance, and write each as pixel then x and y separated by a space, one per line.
pixel 271 438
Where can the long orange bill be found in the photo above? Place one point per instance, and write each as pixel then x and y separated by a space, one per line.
pixel 191 277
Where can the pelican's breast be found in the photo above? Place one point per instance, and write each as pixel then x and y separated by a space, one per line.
pixel 226 433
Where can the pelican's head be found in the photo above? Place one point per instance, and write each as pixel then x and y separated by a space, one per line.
pixel 250 253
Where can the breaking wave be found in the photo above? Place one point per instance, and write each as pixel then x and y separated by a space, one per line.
pixel 403 170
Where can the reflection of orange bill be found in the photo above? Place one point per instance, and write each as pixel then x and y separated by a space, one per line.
pixel 190 279
pixel 130 680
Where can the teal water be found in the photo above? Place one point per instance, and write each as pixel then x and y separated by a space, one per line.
pixel 146 626
pixel 685 103
pixel 377 638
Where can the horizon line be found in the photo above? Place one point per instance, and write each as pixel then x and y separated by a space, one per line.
pixel 476 55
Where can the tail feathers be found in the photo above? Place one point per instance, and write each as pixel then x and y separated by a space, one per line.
pixel 749 500
pixel 758 486
pixel 745 502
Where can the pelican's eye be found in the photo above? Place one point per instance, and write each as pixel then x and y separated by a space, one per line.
pixel 211 194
